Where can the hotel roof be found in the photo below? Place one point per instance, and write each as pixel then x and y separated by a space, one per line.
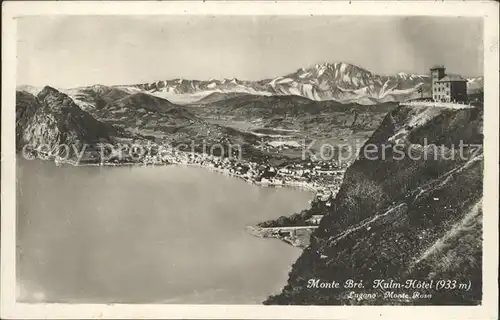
pixel 438 66
pixel 451 77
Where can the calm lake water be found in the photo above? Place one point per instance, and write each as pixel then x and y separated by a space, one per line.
pixel 170 234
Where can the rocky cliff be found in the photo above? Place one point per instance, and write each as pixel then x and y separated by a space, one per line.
pixel 409 208
pixel 52 118
pixel 26 105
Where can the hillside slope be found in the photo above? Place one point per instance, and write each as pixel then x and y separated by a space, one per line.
pixel 154 118
pixel 96 96
pixel 296 113
pixel 400 218
pixel 143 112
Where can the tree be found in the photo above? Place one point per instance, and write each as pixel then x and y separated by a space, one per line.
pixel 421 91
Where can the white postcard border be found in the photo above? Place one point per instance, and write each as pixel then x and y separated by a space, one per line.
pixel 10 309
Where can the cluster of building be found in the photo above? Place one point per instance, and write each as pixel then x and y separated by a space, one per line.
pixel 315 219
pixel 322 177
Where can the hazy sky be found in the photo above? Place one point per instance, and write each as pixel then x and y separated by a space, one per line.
pixel 80 50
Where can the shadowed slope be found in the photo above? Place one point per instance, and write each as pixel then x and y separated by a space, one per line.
pixel 400 218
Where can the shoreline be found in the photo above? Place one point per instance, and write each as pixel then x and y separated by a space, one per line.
pixel 305 186
pixel 299 241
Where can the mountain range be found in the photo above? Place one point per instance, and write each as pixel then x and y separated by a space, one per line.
pixel 339 81
pixel 342 82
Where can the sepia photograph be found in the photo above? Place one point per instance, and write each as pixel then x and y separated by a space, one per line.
pixel 252 158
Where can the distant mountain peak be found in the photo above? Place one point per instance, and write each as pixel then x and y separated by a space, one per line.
pixel 340 81
pixel 54 118
pixel 49 89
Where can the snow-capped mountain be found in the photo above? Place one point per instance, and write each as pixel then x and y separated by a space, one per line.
pixel 29 89
pixel 345 83
pixel 475 85
pixel 339 81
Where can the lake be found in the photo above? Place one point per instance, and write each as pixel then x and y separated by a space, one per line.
pixel 164 234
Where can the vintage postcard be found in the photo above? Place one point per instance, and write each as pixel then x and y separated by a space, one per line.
pixel 250 160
